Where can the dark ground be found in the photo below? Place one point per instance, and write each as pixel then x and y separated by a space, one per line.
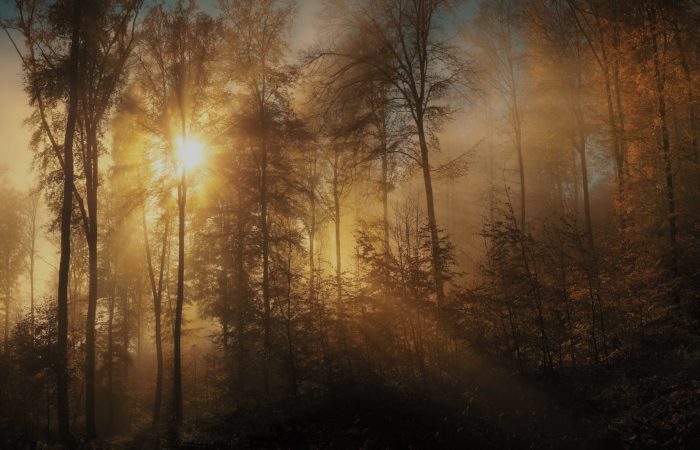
pixel 497 411
pixel 648 400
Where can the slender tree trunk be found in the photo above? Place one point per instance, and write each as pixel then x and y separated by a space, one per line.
pixel 622 138
pixel 90 429
pixel 7 309
pixel 338 260
pixel 31 292
pixel 312 238
pixel 125 335
pixel 521 170
pixel 591 253
pixel 264 219
pixel 567 303
pixel 615 134
pixel 430 206
pixel 617 51
pixel 659 79
pixel 336 220
pixel 179 304
pixel 385 193
pixel 531 274
pixel 583 161
pixel 240 288
pixel 157 292
pixel 516 338
pixel 516 121
pixel 66 214
pixel 48 410
pixel 110 355
pixel 32 256
pixel 692 111
pixel 288 324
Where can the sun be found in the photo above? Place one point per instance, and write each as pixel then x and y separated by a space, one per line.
pixel 190 153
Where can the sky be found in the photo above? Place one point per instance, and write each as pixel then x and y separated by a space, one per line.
pixel 15 155
pixel 14 136
pixel 14 152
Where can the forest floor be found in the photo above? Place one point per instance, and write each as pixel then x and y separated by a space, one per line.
pixel 380 417
pixel 495 411
pixel 649 399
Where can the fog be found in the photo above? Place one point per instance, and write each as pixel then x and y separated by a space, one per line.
pixel 349 224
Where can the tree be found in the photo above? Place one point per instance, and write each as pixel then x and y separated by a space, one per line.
pixel 255 44
pixel 598 24
pixel 12 250
pixel 64 26
pixel 409 53
pixel 174 62
pixel 108 39
pixel 657 33
pixel 497 32
pixel 554 26
pixel 32 234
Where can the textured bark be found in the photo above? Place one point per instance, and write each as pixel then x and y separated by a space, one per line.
pixel 265 228
pixel 385 197
pixel 432 221
pixel 90 428
pixel 157 292
pixel 179 304
pixel 66 215
pixel 660 85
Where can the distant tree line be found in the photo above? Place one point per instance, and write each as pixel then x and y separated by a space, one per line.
pixel 590 219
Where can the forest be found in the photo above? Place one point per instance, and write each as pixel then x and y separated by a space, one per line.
pixel 351 224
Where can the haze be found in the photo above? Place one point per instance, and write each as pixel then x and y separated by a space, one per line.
pixel 349 224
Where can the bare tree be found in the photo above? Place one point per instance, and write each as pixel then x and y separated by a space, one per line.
pixel 497 32
pixel 402 41
pixel 32 233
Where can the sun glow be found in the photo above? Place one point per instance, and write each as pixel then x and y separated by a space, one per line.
pixel 190 152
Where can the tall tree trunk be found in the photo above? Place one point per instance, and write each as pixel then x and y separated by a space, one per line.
pixel 179 303
pixel 288 324
pixel 660 85
pixel 591 253
pixel 90 165
pixel 385 194
pixel 692 111
pixel 139 312
pixel 34 206
pixel 66 214
pixel 240 289
pixel 125 336
pixel 615 134
pixel 430 206
pixel 338 260
pixel 312 237
pixel 6 341
pixel 110 353
pixel 583 160
pixel 336 220
pixel 90 429
pixel 157 292
pixel 521 170
pixel 265 224
pixel 516 121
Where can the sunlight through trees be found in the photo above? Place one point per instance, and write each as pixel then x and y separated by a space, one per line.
pixel 278 223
